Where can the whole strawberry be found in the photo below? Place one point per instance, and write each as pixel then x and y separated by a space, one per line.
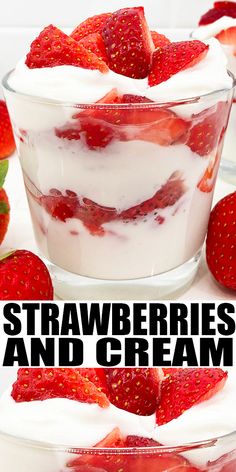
pixel 4 202
pixel 7 143
pixel 23 276
pixel 221 242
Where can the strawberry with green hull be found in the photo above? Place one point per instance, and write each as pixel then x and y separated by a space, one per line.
pixel 4 202
pixel 24 276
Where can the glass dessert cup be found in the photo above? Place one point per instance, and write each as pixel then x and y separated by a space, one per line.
pixel 119 194
pixel 213 455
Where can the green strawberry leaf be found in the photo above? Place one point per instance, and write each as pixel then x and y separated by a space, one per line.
pixel 3 171
pixel 4 208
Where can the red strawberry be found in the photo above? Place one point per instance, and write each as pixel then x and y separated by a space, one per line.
pixel 134 390
pixel 140 441
pixel 225 4
pixel 170 370
pixel 227 36
pixel 54 48
pixel 168 195
pixel 61 207
pixel 207 182
pixel 96 376
pixel 159 40
pixel 23 276
pixel 186 388
pixel 92 25
pixel 7 143
pixel 4 202
pixel 220 9
pixel 95 44
pixel 128 42
pixel 175 57
pixel 221 242
pixel 210 125
pixel 43 383
pixel 68 132
pixel 96 134
pixel 4 214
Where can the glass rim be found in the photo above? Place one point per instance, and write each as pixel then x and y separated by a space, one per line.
pixel 162 449
pixel 171 103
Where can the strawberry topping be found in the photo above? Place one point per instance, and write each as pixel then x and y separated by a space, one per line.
pixel 43 383
pixel 94 24
pixel 175 57
pixel 54 48
pixel 128 42
pixel 134 390
pixel 159 40
pixel 193 386
pixel 95 44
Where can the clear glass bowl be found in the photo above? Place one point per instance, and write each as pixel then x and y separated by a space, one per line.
pixel 213 455
pixel 119 194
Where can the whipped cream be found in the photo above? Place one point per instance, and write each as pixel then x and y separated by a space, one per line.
pixel 208 31
pixel 78 85
pixel 68 422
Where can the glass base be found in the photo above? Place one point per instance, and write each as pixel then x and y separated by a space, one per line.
pixel 228 171
pixel 69 286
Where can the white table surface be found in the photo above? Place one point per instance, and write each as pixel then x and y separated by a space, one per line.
pixel 20 234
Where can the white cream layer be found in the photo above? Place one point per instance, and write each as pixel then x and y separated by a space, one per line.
pixel 77 85
pixel 208 31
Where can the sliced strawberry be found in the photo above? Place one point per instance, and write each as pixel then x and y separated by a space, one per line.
pixel 140 441
pixel 175 57
pixel 61 207
pixel 96 134
pixel 54 48
pixel 207 182
pixel 95 44
pixel 214 14
pixel 134 390
pixel 69 132
pixel 42 384
pixel 105 462
pixel 94 24
pixel 169 370
pixel 227 36
pixel 166 196
pixel 159 40
pixel 185 388
pixel 128 42
pixel 96 376
pixel 205 135
pixel 225 4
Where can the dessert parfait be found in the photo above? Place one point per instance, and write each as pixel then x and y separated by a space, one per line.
pixel 110 420
pixel 220 22
pixel 119 133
